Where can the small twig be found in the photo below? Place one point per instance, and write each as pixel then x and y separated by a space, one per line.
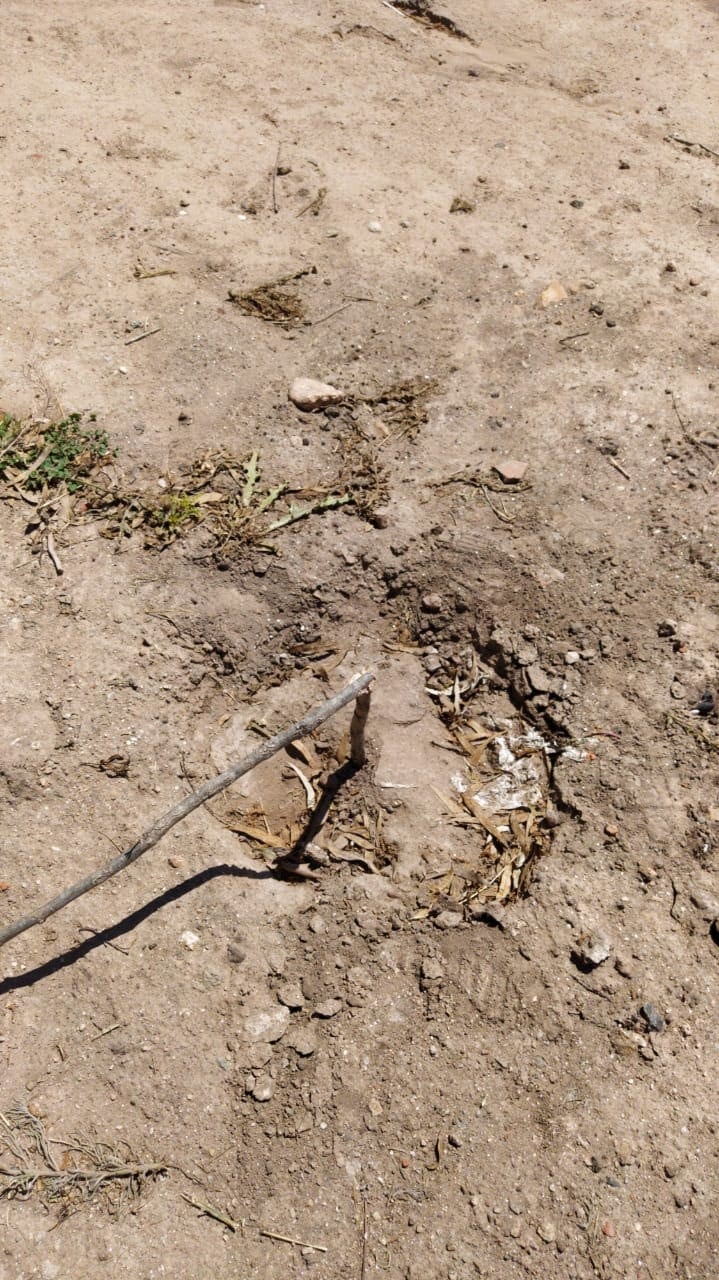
pixel 141 272
pixel 617 466
pixel 331 314
pixel 57 562
pixel 210 1211
pixel 206 792
pixel 569 337
pixel 304 1244
pixel 684 142
pixel 274 178
pixel 86 928
pixel 139 336
pixel 592 990
pixel 337 310
pixel 692 440
pixel 501 515
pixel 107 1030
pixel 363 1268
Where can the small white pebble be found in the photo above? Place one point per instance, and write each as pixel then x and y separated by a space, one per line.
pixel 376 227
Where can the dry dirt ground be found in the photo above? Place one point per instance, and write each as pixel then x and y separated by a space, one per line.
pixel 378 1062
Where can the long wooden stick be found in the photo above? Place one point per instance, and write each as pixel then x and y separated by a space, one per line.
pixel 308 724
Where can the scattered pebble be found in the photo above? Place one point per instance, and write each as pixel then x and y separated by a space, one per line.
pixel 608 1228
pixel 308 394
pixel 236 953
pixel 591 950
pixel 671 1168
pixel 259 1056
pixel 432 603
pixel 263 1089
pixel 328 1008
pixel 189 939
pixel 667 628
pixel 571 657
pixel 554 292
pixel 611 829
pixel 375 227
pixel 547 1232
pixel 317 924
pixel 431 969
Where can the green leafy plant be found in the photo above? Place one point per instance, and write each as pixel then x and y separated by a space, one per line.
pixel 36 455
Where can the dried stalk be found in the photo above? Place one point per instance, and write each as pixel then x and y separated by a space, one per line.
pixel 358 754
pixel 355 690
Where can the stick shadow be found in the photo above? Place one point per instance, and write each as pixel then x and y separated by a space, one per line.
pixel 46 970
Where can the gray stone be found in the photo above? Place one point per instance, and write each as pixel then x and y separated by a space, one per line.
pixel 328 1008
pixel 290 995
pixel 263 1089
pixel 303 1040
pixel 268 1025
pixel 448 919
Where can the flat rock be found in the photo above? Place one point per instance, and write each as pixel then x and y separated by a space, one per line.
pixel 268 1025
pixel 309 395
pixel 290 995
pixel 303 1040
pixel 511 470
pixel 328 1008
pixel 432 969
pixel 448 919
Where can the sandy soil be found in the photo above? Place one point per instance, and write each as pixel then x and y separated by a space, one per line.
pixel 375 1063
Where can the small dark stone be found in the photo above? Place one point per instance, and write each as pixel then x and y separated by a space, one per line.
pixel 705 705
pixel 652 1017
pixel 577 204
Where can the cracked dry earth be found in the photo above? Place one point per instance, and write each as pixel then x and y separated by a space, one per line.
pixel 475 1040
